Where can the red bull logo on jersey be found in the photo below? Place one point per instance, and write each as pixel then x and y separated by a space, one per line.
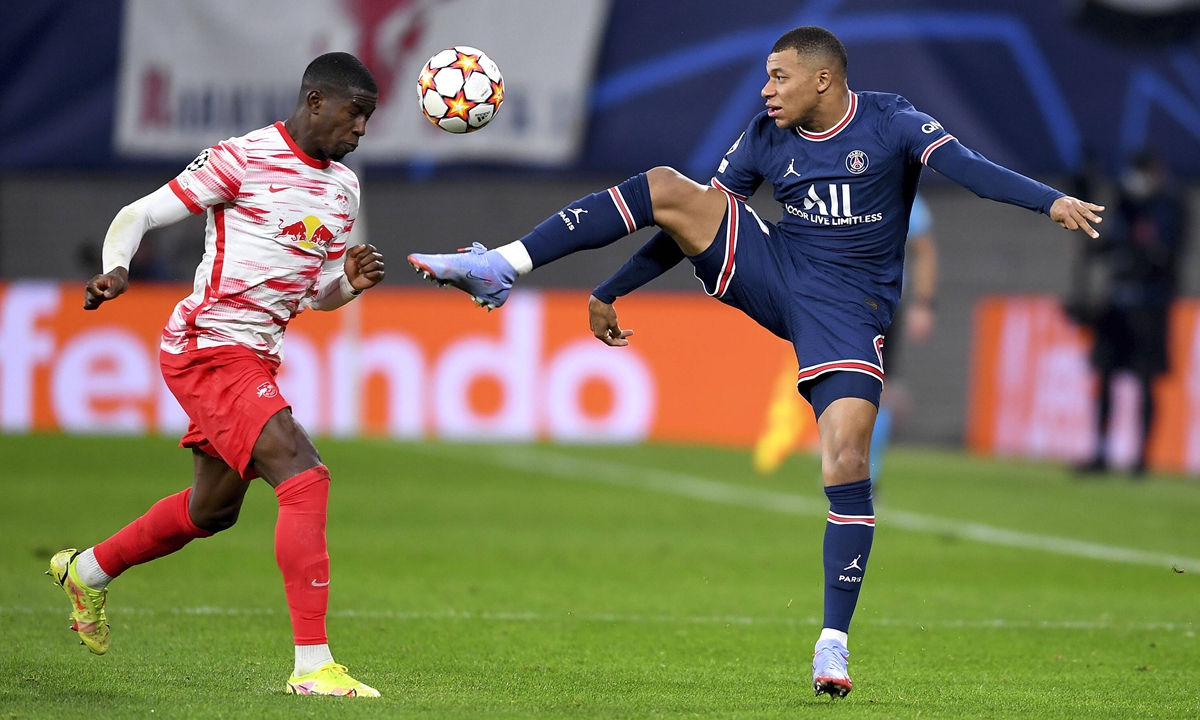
pixel 307 233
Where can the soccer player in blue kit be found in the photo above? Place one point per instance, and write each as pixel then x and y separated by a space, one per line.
pixel 845 167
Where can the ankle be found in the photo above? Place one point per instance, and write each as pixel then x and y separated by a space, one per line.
pixel 831 634
pixel 310 658
pixel 89 571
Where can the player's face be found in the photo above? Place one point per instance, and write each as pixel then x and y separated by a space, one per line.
pixel 341 121
pixel 793 88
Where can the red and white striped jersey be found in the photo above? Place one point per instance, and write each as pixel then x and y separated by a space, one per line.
pixel 275 217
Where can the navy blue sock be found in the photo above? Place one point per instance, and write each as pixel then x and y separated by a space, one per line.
pixel 848 534
pixel 594 221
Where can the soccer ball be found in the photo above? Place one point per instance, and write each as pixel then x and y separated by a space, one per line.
pixel 460 89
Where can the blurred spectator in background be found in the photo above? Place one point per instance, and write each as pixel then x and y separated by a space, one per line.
pixel 1142 252
pixel 913 323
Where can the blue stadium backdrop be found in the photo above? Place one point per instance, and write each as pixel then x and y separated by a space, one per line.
pixel 1015 79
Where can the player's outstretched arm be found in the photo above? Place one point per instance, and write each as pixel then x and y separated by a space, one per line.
pixel 988 180
pixel 602 317
pixel 658 255
pixel 1074 214
pixel 158 209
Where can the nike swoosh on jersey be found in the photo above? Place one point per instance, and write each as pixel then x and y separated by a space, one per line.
pixel 274 189
pixel 317 584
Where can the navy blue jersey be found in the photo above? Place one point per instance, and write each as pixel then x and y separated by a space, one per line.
pixel 847 192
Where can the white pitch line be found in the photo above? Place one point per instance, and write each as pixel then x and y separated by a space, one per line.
pixel 714 491
pixel 635 619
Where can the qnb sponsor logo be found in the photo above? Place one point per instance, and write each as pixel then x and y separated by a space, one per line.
pixel 833 210
pixel 931 127
pixel 98 373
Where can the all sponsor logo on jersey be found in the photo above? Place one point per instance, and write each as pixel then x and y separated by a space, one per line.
pixel 267 390
pixel 307 233
pixel 857 162
pixel 833 210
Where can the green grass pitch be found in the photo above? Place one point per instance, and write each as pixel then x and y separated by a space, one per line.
pixel 600 582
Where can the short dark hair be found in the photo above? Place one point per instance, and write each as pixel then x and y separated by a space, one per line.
pixel 337 73
pixel 816 42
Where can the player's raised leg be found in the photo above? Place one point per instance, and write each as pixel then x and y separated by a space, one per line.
pixel 286 458
pixel 845 428
pixel 690 212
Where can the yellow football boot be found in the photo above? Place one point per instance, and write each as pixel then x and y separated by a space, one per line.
pixel 329 679
pixel 87 605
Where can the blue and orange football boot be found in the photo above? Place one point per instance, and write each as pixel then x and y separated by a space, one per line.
pixel 830 674
pixel 484 275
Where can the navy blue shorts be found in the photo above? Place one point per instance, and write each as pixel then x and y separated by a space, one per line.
pixel 836 331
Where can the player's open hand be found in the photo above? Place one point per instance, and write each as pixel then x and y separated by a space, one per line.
pixel 603 319
pixel 1075 214
pixel 364 267
pixel 105 287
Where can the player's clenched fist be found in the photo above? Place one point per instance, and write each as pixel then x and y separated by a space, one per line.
pixel 105 287
pixel 603 319
pixel 364 267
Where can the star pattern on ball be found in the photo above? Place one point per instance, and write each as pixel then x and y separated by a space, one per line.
pixel 458 106
pixel 497 94
pixel 467 63
pixel 426 80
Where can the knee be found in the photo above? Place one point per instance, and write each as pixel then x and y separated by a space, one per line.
pixel 668 187
pixel 214 520
pixel 284 450
pixel 845 463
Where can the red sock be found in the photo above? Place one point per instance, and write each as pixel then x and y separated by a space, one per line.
pixel 301 553
pixel 164 528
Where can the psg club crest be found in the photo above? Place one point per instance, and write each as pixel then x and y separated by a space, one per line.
pixel 857 162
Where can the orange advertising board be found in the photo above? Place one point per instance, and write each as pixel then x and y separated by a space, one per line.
pixel 413 363
pixel 1032 391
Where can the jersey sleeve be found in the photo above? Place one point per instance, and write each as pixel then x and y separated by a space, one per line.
pixel 738 172
pixel 214 177
pixel 919 134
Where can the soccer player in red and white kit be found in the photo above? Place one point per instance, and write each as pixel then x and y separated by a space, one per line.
pixel 280 210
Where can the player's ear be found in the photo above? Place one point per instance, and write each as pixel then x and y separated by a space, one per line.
pixel 824 80
pixel 314 99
